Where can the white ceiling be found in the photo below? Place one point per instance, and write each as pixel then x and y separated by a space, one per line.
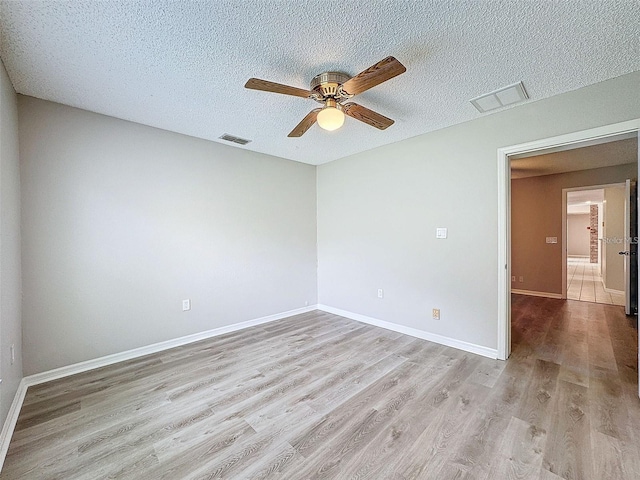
pixel 579 202
pixel 182 65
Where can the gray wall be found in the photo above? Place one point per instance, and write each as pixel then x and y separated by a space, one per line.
pixel 123 221
pixel 10 273
pixel 536 213
pixel 578 234
pixel 378 212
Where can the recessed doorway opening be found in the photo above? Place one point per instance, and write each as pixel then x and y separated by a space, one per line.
pixel 595 270
pixel 506 155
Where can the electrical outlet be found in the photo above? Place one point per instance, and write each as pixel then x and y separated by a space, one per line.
pixel 186 305
pixel 13 353
pixel 513 279
pixel 436 313
pixel 521 279
pixel 380 293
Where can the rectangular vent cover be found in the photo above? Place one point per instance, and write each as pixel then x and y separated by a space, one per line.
pixel 500 98
pixel 234 139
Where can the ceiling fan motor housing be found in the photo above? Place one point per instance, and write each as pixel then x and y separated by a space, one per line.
pixel 328 84
pixel 331 89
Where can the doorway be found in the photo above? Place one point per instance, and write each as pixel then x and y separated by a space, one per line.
pixel 594 236
pixel 594 136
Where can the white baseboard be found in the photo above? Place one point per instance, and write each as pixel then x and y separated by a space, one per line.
pixel 532 293
pixel 14 411
pixel 414 332
pixel 611 290
pixel 156 347
pixel 11 420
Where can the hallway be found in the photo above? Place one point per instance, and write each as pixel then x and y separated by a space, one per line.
pixel 584 283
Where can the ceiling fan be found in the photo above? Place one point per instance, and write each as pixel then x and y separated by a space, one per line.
pixel 332 89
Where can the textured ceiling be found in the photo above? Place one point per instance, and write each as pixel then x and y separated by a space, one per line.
pixel 182 65
pixel 619 152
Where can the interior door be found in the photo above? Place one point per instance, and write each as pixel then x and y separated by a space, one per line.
pixel 631 249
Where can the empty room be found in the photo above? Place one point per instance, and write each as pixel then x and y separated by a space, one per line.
pixel 274 239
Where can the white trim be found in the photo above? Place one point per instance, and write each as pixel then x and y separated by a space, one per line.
pixel 627 258
pixel 611 290
pixel 504 204
pixel 156 347
pixel 14 411
pixel 504 256
pixel 575 137
pixel 564 240
pixel 533 293
pixel 11 420
pixel 414 332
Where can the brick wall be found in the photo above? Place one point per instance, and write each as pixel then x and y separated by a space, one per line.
pixel 593 235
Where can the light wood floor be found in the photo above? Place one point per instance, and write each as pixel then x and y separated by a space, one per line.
pixel 319 396
pixel 585 284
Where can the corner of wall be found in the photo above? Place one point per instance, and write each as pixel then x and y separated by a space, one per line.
pixel 10 250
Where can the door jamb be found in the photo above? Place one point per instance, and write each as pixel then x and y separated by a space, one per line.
pixel 504 212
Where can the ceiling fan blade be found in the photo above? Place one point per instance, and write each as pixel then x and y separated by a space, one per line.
pixel 305 124
pixel 367 116
pixel 374 75
pixel 267 86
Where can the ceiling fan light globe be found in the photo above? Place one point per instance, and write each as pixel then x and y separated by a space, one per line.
pixel 330 118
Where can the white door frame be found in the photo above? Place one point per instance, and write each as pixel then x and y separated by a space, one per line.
pixel 504 212
pixel 627 248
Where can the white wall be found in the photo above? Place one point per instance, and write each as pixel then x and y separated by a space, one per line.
pixel 123 221
pixel 378 212
pixel 614 237
pixel 578 234
pixel 10 272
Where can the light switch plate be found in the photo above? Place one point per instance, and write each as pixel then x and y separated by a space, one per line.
pixel 552 240
pixel 441 232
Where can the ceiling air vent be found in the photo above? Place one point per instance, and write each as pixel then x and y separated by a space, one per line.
pixel 500 98
pixel 234 139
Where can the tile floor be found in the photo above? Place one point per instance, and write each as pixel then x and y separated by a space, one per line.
pixel 584 283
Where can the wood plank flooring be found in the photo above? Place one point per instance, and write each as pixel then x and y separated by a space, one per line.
pixel 318 396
